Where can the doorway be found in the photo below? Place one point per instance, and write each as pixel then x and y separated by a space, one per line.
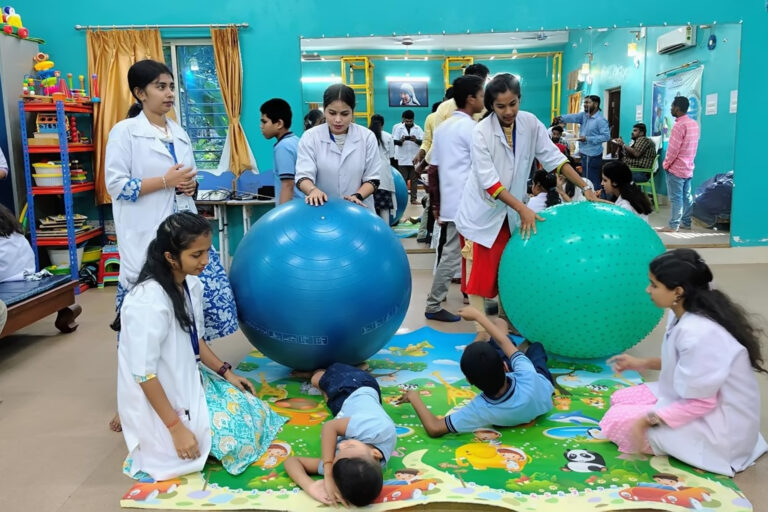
pixel 613 116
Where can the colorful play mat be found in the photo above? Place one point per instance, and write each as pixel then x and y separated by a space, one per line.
pixel 555 463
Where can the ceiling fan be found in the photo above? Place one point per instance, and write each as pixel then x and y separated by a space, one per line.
pixel 539 36
pixel 409 40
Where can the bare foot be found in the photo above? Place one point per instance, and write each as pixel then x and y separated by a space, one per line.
pixel 363 366
pixel 114 424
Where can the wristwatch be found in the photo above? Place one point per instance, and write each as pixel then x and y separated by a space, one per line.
pixel 224 369
pixel 358 195
pixel 653 419
pixel 587 186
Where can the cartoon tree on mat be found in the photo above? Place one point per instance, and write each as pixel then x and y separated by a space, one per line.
pixel 572 368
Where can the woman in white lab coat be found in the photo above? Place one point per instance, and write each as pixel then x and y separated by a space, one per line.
pixel 705 408
pixel 150 173
pixel 339 159
pixel 175 409
pixel 504 145
pixel 384 198
pixel 16 256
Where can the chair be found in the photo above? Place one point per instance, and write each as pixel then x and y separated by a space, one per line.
pixel 650 185
pixel 109 265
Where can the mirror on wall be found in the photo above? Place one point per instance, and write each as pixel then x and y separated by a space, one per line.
pixel 635 72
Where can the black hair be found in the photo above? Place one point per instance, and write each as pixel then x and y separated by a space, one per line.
pixel 641 127
pixel 341 92
pixel 480 70
pixel 466 86
pixel 449 93
pixel 312 117
pixel 377 123
pixel 140 75
pixel 276 110
pixel 408 114
pixel 595 99
pixel 498 85
pixel 548 181
pixel 483 367
pixel 685 268
pixel 175 234
pixel 436 105
pixel 557 128
pixel 8 223
pixel 621 177
pixel 682 103
pixel 359 480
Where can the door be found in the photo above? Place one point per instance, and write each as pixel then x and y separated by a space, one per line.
pixel 614 118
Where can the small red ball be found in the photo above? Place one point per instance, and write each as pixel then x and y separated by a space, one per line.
pixel 8 29
pixel 23 32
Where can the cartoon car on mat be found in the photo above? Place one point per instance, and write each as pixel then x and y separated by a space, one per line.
pixel 410 491
pixel 691 497
pixel 144 491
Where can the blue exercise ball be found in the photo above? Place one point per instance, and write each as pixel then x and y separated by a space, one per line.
pixel 578 285
pixel 316 285
pixel 401 194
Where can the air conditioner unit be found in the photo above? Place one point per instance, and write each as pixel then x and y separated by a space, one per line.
pixel 679 39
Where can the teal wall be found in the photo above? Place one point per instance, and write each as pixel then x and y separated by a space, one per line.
pixel 535 73
pixel 271 48
pixel 611 67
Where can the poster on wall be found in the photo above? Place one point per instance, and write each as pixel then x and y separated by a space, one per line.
pixel 686 84
pixel 408 93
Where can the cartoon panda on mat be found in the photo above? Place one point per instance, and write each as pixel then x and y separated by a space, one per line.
pixel 584 461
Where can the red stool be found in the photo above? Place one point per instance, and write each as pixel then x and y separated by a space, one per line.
pixel 109 265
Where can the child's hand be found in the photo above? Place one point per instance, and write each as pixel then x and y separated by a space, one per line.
pixel 333 493
pixel 406 397
pixel 240 383
pixel 470 313
pixel 626 362
pixel 184 441
pixel 317 491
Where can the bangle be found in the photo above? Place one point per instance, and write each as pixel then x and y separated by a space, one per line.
pixel 327 462
pixel 173 423
pixel 165 185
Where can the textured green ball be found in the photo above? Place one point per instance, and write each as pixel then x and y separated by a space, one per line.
pixel 578 285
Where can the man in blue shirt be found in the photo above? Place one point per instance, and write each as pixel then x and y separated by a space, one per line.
pixel 276 123
pixel 594 131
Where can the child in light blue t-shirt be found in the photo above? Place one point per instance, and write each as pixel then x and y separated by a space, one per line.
pixel 356 444
pixel 276 117
pixel 516 387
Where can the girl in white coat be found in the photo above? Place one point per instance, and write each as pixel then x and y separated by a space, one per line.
pixel 705 408
pixel 384 197
pixel 504 145
pixel 150 173
pixel 617 182
pixel 174 410
pixel 339 159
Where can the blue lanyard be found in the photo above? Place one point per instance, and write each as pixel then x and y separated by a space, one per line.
pixel 172 150
pixel 193 328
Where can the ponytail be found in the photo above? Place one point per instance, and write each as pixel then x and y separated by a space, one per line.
pixel 135 110
pixel 621 177
pixel 686 269
pixel 548 181
pixel 377 122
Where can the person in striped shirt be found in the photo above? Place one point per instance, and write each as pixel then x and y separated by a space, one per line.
pixel 681 151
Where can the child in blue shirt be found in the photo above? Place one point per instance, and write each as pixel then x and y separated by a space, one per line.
pixel 276 119
pixel 356 444
pixel 516 387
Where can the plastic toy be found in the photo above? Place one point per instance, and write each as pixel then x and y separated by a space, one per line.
pixel 590 260
pixel 95 88
pixel 316 285
pixel 12 23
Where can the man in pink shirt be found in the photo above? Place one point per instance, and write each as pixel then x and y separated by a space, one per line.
pixel 678 162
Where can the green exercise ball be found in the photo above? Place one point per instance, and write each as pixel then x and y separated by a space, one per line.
pixel 578 285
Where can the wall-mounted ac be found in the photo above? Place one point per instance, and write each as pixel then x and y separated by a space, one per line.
pixel 678 39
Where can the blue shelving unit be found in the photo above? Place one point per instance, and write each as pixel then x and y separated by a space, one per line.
pixel 63 149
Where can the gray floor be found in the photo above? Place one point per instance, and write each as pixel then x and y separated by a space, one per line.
pixel 57 393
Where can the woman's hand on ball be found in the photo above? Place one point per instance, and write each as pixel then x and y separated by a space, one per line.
pixel 590 195
pixel 626 362
pixel 316 197
pixel 353 199
pixel 528 220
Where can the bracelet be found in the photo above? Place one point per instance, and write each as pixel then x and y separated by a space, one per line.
pixel 165 185
pixel 327 462
pixel 224 369
pixel 173 423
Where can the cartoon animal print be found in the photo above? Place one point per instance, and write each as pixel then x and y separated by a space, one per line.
pixel 584 461
pixel 595 401
pixel 412 350
pixel 454 394
pixel 276 392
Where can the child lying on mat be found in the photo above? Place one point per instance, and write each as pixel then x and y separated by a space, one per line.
pixel 516 387
pixel 355 445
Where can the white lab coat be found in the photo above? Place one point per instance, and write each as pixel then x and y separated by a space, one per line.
pixel 134 150
pixel 153 342
pixel 405 152
pixel 700 359
pixel 338 172
pixel 624 203
pixel 386 151
pixel 451 153
pixel 480 216
pixel 16 257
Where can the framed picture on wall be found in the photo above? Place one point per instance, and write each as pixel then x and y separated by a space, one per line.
pixel 408 93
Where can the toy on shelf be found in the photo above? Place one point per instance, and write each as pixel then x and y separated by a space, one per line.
pixel 48 84
pixel 12 23
pixel 95 88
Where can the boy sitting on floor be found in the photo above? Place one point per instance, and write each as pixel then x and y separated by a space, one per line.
pixel 516 387
pixel 355 445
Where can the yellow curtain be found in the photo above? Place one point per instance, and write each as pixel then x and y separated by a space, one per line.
pixel 110 54
pixel 226 50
